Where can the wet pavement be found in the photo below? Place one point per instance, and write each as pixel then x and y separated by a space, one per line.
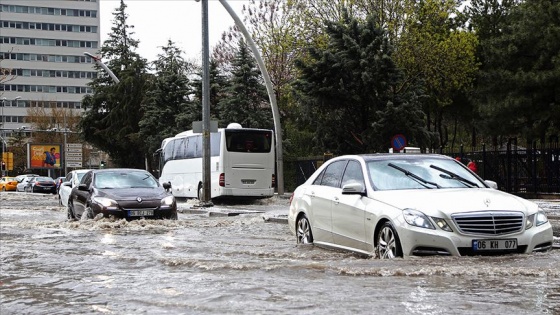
pixel 239 259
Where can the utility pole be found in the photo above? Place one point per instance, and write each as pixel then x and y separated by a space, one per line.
pixel 206 184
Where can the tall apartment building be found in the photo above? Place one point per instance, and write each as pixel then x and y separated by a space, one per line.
pixel 43 42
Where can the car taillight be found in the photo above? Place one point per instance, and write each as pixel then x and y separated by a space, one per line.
pixel 222 180
pixel 273 180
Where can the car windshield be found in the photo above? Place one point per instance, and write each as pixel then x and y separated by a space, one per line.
pixel 421 173
pixel 128 179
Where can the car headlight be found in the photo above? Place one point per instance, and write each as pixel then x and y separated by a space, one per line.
pixel 536 219
pixel 167 201
pixel 105 202
pixel 417 218
pixel 442 224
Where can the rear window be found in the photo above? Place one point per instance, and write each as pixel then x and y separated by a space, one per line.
pixel 255 141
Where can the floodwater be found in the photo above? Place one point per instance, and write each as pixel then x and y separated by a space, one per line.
pixel 238 265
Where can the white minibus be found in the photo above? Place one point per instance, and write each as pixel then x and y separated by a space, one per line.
pixel 241 163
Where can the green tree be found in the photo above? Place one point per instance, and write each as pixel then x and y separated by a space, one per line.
pixel 434 50
pixel 168 99
pixel 218 83
pixel 247 100
pixel 114 110
pixel 353 95
pixel 519 82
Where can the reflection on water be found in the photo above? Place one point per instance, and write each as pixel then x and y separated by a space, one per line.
pixel 202 265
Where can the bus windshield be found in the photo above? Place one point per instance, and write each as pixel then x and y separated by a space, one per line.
pixel 255 141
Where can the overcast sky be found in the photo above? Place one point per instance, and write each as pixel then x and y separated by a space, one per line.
pixel 156 21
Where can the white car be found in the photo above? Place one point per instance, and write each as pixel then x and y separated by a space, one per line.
pixel 401 205
pixel 71 180
pixel 23 181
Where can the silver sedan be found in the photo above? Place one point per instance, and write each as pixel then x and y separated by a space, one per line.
pixel 400 205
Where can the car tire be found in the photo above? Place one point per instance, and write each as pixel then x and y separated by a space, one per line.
pixel 3 188
pixel 71 215
pixel 173 216
pixel 87 215
pixel 304 234
pixel 388 242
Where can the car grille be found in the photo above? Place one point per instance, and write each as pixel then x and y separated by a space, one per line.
pixel 489 222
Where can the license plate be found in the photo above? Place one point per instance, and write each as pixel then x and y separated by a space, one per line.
pixel 505 244
pixel 140 213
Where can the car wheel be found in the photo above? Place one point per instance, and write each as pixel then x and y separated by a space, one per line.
pixel 388 242
pixel 71 215
pixel 87 215
pixel 3 188
pixel 303 231
pixel 173 216
pixel 27 190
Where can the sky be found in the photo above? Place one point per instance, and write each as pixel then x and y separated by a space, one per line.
pixel 157 21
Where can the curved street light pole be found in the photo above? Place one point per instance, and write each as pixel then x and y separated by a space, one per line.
pixel 103 66
pixel 271 96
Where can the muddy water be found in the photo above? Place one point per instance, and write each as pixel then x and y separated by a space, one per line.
pixel 238 265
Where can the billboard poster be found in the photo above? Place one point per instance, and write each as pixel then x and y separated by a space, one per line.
pixel 44 155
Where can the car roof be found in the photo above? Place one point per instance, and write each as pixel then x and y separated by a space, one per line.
pixel 393 156
pixel 82 170
pixel 113 170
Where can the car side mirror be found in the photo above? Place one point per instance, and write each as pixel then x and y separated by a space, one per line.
pixel 68 184
pixel 354 189
pixel 83 187
pixel 492 184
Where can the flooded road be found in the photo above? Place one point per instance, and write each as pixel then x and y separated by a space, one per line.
pixel 205 264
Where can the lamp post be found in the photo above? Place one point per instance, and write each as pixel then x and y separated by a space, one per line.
pixel 102 65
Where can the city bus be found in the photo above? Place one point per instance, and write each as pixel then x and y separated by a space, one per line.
pixel 241 163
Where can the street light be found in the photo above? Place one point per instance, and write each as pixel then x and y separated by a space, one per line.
pixel 102 65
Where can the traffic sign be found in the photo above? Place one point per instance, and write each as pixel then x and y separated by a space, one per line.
pixel 398 142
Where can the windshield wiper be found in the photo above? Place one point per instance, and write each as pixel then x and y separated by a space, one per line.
pixel 463 180
pixel 419 179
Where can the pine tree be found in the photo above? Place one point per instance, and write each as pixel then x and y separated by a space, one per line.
pixel 247 99
pixel 218 82
pixel 168 98
pixel 114 110
pixel 351 92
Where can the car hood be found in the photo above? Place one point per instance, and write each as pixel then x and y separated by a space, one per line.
pixel 133 193
pixel 451 201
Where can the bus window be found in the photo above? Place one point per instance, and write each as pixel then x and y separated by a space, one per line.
pixel 255 141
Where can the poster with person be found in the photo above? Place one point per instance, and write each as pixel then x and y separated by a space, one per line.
pixel 44 155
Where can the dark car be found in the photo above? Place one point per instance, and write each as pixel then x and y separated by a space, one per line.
pixel 122 193
pixel 41 184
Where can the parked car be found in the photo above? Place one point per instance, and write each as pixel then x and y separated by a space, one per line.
pixel 400 205
pixel 71 180
pixel 122 193
pixel 41 184
pixel 8 184
pixel 23 181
